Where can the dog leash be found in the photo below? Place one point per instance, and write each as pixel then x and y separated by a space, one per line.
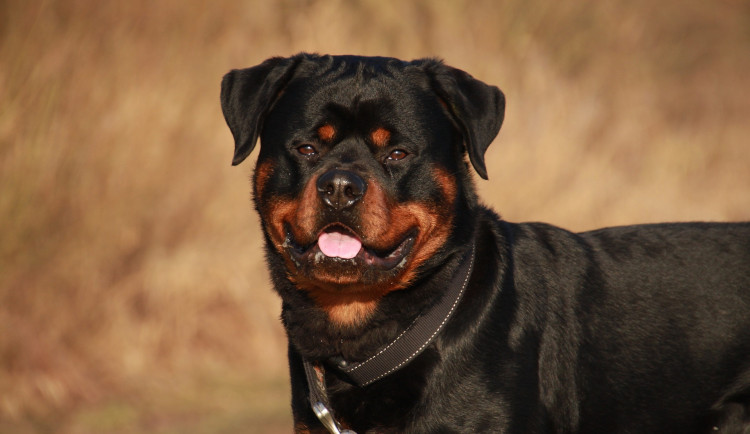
pixel 392 357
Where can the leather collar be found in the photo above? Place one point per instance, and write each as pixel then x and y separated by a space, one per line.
pixel 396 354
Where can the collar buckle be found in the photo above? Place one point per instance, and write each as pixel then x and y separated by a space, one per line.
pixel 326 418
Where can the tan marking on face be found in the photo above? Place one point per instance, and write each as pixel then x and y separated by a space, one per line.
pixel 278 212
pixel 447 183
pixel 434 229
pixel 380 137
pixel 326 133
pixel 300 212
pixel 263 172
pixel 347 309
pixel 383 225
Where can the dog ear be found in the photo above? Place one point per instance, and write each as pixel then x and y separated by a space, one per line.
pixel 477 108
pixel 246 97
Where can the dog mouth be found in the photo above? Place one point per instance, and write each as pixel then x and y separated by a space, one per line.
pixel 338 245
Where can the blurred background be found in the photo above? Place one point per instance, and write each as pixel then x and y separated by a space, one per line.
pixel 133 295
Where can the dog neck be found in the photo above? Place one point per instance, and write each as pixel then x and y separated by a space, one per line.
pixel 415 338
pixel 392 356
pixel 315 337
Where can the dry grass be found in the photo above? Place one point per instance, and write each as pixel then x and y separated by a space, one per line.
pixel 132 292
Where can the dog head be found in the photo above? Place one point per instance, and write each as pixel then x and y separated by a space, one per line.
pixel 361 172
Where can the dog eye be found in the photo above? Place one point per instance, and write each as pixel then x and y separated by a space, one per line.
pixel 398 154
pixel 307 150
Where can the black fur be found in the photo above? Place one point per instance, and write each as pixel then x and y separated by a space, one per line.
pixel 637 329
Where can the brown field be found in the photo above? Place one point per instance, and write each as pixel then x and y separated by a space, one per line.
pixel 133 297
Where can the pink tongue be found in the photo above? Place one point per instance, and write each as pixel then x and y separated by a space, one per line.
pixel 338 244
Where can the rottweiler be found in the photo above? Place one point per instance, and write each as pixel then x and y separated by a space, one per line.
pixel 411 307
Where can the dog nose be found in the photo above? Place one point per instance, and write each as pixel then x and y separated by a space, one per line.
pixel 340 189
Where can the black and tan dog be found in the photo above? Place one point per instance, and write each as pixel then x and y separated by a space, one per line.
pixel 410 307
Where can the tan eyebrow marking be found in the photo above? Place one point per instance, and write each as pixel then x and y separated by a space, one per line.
pixel 326 132
pixel 380 137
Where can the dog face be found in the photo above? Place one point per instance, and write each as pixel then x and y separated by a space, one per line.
pixel 357 181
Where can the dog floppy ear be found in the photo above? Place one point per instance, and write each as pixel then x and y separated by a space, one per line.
pixel 246 97
pixel 477 108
